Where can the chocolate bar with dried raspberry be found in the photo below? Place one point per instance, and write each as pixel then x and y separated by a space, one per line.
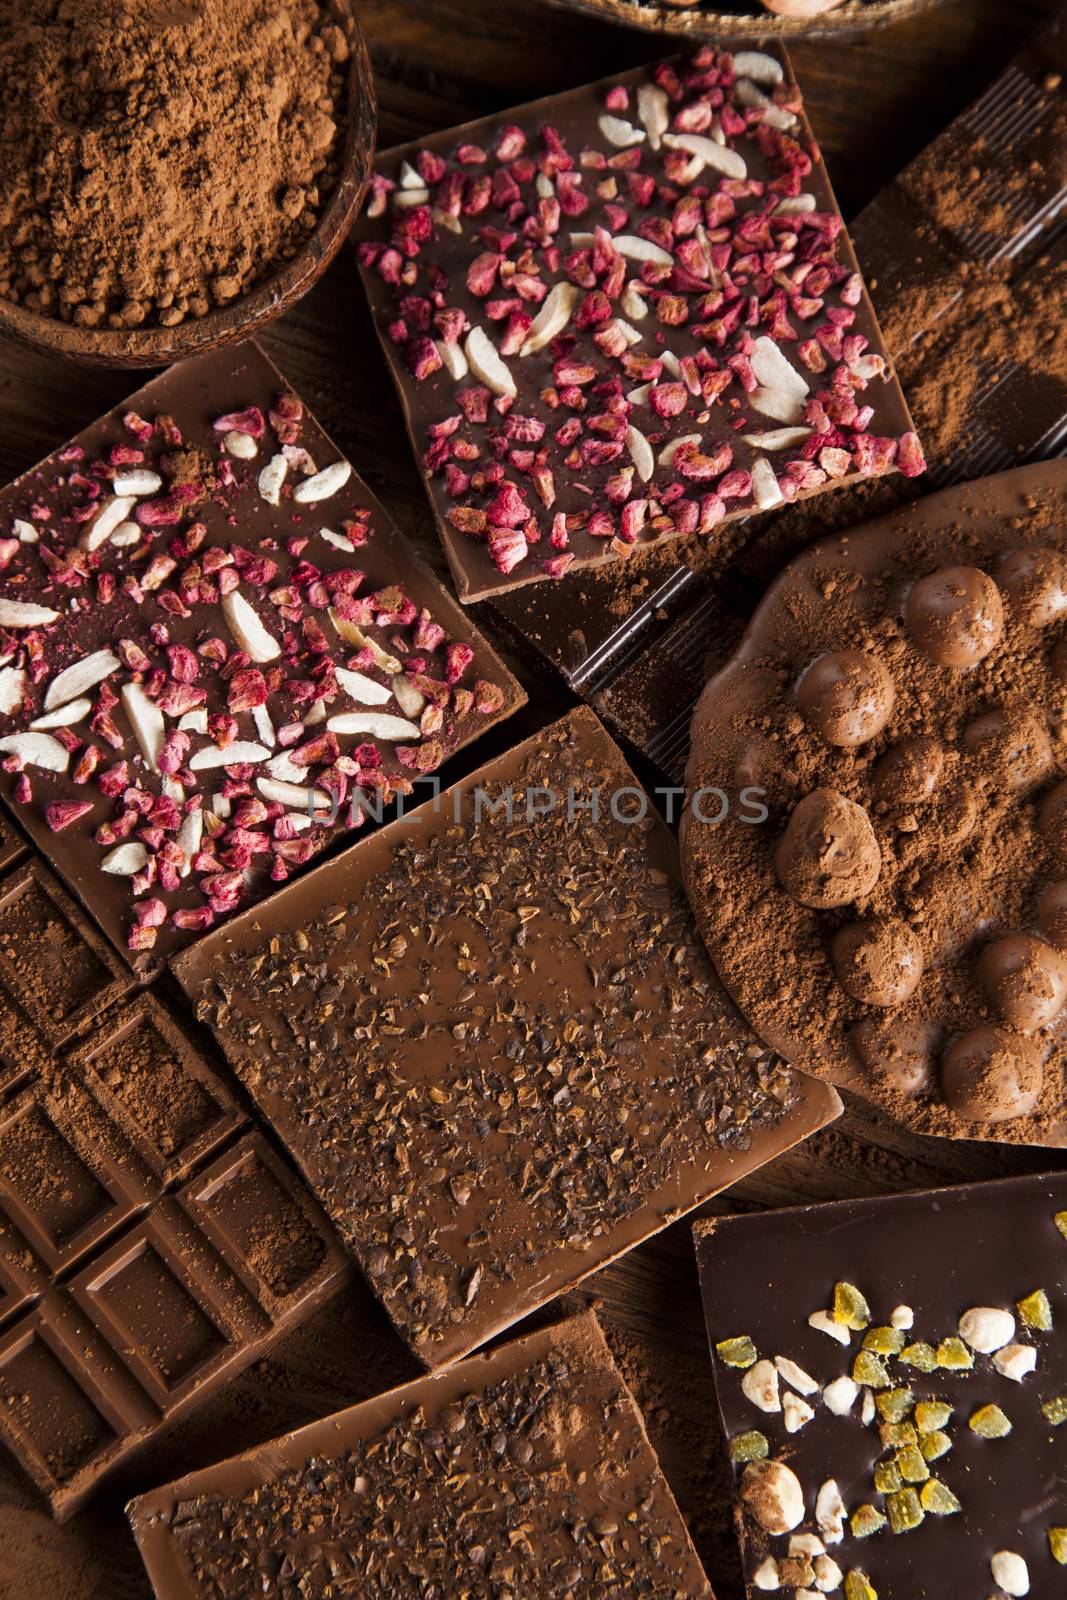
pixel 624 314
pixel 218 653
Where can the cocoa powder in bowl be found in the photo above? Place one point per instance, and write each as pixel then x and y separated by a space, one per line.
pixel 159 158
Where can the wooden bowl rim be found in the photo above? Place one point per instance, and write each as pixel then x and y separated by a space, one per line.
pixel 231 324
pixel 704 24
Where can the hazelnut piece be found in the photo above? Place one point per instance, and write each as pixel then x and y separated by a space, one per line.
pixel 772 1496
pixel 878 962
pixel 1052 912
pixel 955 616
pixel 828 855
pixel 1025 979
pixel 991 1074
pixel 909 772
pixel 1033 580
pixel 846 696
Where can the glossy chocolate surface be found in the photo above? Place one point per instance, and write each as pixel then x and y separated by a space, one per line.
pixel 525 194
pixel 939 1253
pixel 151 1244
pixel 209 536
pixel 524 1471
pixel 494 1046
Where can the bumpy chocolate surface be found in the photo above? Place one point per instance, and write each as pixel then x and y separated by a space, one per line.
pixel 896 922
pixel 204 616
pixel 623 314
pixel 151 1245
pixel 525 1472
pixel 496 1047
pixel 922 1418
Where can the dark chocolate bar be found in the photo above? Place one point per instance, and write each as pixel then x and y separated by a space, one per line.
pixel 215 643
pixel 526 1471
pixel 624 314
pixel 150 1245
pixel 489 1037
pixel 977 214
pixel 892 1382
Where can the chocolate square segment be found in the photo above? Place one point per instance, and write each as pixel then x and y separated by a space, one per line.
pixel 216 644
pixel 525 1472
pixel 626 313
pixel 491 1039
pixel 892 1380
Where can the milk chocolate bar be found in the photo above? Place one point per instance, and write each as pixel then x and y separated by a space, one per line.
pixel 218 650
pixel 977 211
pixel 896 704
pixel 489 1037
pixel 624 314
pixel 526 1471
pixel 151 1246
pixel 892 1382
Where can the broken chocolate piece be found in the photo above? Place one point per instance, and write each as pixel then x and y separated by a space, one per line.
pixel 916 1487
pixel 625 314
pixel 220 652
pixel 527 1471
pixel 489 1037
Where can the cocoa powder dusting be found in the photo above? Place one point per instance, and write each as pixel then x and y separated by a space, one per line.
pixel 159 158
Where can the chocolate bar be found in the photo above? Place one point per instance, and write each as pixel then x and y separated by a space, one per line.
pixel 892 1382
pixel 965 259
pixel 525 1471
pixel 218 653
pixel 490 1039
pixel 626 314
pixel 151 1245
pixel 965 268
pixel 894 703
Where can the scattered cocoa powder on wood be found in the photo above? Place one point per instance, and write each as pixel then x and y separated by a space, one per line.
pixel 158 158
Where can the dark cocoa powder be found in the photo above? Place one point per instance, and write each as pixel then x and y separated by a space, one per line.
pixel 160 157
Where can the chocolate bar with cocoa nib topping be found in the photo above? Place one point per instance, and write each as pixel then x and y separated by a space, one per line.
pixel 623 314
pixel 491 1039
pixel 526 1471
pixel 218 652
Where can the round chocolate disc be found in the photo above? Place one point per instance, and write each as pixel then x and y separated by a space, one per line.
pixel 899 921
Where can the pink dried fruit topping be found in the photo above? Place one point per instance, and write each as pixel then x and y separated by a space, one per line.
pixel 204 662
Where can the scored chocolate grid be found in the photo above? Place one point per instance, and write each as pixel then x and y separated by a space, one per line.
pixel 136 1227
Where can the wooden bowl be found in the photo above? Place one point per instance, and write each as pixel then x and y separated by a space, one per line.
pixel 159 347
pixel 747 19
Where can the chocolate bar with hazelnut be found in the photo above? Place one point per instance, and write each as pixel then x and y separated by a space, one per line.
pixel 623 314
pixel 491 1040
pixel 526 1470
pixel 897 702
pixel 217 648
pixel 891 1376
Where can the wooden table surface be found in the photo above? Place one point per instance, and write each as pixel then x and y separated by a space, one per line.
pixel 874 101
